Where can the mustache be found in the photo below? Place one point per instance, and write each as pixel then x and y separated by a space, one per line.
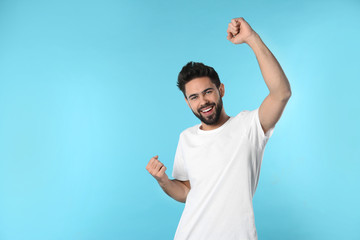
pixel 206 106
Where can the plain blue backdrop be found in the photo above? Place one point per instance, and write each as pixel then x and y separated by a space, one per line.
pixel 88 95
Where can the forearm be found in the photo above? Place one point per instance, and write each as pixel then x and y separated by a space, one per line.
pixel 175 189
pixel 271 70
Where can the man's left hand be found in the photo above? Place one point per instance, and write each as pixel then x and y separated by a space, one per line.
pixel 239 31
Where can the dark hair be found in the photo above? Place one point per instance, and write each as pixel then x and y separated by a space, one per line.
pixel 195 70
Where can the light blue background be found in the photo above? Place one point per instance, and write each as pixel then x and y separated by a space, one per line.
pixel 88 95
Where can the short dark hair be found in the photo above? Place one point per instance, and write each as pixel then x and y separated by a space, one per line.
pixel 195 70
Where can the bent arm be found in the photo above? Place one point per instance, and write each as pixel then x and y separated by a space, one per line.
pixel 274 104
pixel 176 189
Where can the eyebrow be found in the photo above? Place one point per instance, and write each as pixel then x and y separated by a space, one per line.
pixel 195 94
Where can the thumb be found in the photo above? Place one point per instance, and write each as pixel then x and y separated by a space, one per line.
pixel 229 36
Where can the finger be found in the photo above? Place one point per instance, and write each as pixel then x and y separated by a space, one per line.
pixel 235 22
pixel 239 20
pixel 233 27
pixel 158 167
pixel 234 33
pixel 162 170
pixel 233 30
pixel 148 166
pixel 155 170
pixel 155 163
pixel 155 158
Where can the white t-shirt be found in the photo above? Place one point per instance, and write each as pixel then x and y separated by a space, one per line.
pixel 223 167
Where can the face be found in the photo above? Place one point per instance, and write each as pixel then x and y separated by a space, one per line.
pixel 205 99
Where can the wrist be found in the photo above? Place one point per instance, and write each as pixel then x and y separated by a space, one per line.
pixel 252 39
pixel 163 181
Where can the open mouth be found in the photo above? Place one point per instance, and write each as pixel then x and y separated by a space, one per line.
pixel 207 110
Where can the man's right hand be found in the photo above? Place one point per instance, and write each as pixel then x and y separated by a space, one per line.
pixel 157 169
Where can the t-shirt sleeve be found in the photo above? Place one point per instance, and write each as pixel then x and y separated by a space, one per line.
pixel 256 133
pixel 179 169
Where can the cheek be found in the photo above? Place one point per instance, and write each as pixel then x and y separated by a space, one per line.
pixel 215 99
pixel 194 107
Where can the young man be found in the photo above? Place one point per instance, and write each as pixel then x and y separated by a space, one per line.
pixel 217 163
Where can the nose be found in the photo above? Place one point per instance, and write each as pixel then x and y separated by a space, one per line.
pixel 203 100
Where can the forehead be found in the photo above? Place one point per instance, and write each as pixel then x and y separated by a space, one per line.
pixel 197 85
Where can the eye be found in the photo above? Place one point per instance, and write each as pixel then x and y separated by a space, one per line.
pixel 193 98
pixel 208 91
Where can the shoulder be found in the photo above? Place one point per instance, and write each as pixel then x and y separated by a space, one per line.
pixel 246 115
pixel 189 131
pixel 244 120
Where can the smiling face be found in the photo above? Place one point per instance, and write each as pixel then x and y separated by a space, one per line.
pixel 205 100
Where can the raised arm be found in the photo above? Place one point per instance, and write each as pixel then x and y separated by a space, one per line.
pixel 239 31
pixel 176 189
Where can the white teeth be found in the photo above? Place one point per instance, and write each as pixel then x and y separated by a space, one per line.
pixel 206 110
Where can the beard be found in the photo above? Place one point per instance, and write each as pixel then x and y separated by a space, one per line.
pixel 214 117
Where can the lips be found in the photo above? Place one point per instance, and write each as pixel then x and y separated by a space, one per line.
pixel 204 110
pixel 207 110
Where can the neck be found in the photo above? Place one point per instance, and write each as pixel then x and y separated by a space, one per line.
pixel 223 118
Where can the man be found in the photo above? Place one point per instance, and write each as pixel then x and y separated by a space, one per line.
pixel 217 163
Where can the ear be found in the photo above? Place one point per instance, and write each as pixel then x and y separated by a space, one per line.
pixel 222 90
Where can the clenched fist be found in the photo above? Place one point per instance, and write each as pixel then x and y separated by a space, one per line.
pixel 157 169
pixel 239 31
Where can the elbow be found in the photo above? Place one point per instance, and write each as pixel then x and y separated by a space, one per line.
pixel 182 200
pixel 282 96
pixel 285 92
pixel 185 196
pixel 286 96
